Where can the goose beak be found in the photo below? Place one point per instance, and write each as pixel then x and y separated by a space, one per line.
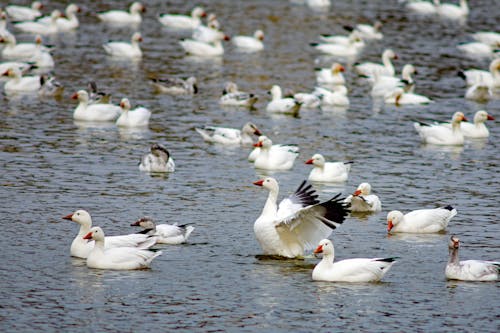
pixel 309 161
pixel 88 236
pixel 389 225
pixel 319 249
pixel 258 144
pixel 490 117
pixel 257 132
pixel 74 96
pixel 68 217
pixel 259 182
pixel 356 193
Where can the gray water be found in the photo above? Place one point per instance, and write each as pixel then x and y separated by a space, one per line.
pixel 216 282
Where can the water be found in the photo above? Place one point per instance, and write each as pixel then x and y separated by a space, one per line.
pixel 52 166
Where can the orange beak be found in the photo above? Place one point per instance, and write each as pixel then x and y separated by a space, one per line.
pixel 490 117
pixel 74 96
pixel 258 144
pixel 68 217
pixel 356 193
pixel 464 119
pixel 389 225
pixel 310 161
pixel 259 182
pixel 88 236
pixel 342 68
pixel 319 249
pixel 257 132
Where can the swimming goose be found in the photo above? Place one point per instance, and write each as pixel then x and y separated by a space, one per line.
pixel 452 11
pixel 386 68
pixel 23 13
pixel 399 97
pixel 178 21
pixel 478 129
pixel 479 92
pixel 420 220
pixel 67 23
pixel 367 31
pixel 488 37
pixel 383 85
pixel 422 7
pixel 158 160
pixel 469 270
pixel 307 100
pixel 207 33
pixel 171 234
pixel 229 136
pixel 332 75
pixel 490 78
pixel 348 270
pixel 349 50
pixel 175 86
pixel 234 97
pixel 477 50
pixel 119 258
pixel 249 43
pixel 278 104
pixel 94 112
pixel 440 134
pixel 202 49
pixel 20 51
pixel 41 28
pixel 363 201
pixel 298 222
pixel 340 39
pixel 328 171
pixel 18 83
pixel 138 117
pixel 133 16
pixel 337 97
pixel 271 157
pixel 124 49
pixel 284 147
pixel 81 248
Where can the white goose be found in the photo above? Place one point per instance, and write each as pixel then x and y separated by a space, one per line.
pixel 171 234
pixel 477 50
pixel 488 37
pixel 363 201
pixel 20 51
pixel 422 7
pixel 231 96
pixel 399 97
pixel 469 270
pixel 271 157
pixel 42 58
pixel 124 49
pixel 478 129
pixel 349 50
pixel 138 117
pixel 178 21
pixel 41 28
pixel 331 75
pixel 452 11
pixel 337 97
pixel 278 104
pixel 5 66
pixel 491 77
pixel 176 86
pixel 93 112
pixel 158 160
pixel 133 16
pixel 81 248
pixel 348 270
pixel 208 33
pixel 307 100
pixel 18 84
pixel 440 134
pixel 383 85
pixel 298 222
pixel 421 221
pixel 202 49
pixel 68 23
pixel 229 136
pixel 479 92
pixel 285 147
pixel 249 43
pixel 386 68
pixel 119 258
pixel 328 171
pixel 369 32
pixel 22 13
pixel 339 39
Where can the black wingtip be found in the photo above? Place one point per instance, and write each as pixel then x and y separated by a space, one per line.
pixel 349 162
pixel 348 27
pixel 391 259
pixel 462 75
pixel 314 44
pixel 448 207
pixel 336 211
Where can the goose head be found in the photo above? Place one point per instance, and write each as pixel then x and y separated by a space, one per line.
pixel 136 37
pixel 393 218
pixel 96 234
pixel 82 217
pixel 137 8
pixel 325 246
pixel 259 34
pixel 481 116
pixel 337 68
pixel 250 129
pixel 458 117
pixel 145 222
pixel 454 242
pixel 268 183
pixel 198 12
pixel 125 104
pixel 363 189
pixel 316 160
pixel 81 96
pixel 264 142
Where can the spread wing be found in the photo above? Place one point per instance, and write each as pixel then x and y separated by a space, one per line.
pixel 304 196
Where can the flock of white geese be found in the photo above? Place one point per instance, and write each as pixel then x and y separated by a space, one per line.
pixel 300 222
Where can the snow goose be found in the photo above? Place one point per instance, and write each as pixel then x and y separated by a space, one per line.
pixel 386 68
pixel 369 32
pixel 23 67
pixel 469 270
pixel 339 39
pixel 399 97
pixel 439 134
pixel 284 147
pixel 298 222
pixel 175 86
pixel 50 87
pixel 179 21
pixel 332 75
pixel 93 112
pixel 349 50
pixel 3 25
pixel 229 136
pixel 208 33
pixel 383 85
pixel 363 201
pixel 422 7
pixel 421 220
pixel 231 96
pixel 67 23
pixel 307 100
pixel 42 58
pixel 452 11
pixel 133 16
pixel 23 13
pixel 41 28
pixel 479 91
pixel 278 104
pixel 273 158
pixel 97 96
pixel 171 234
pixel 249 43
pixel 202 49
pixel 328 171
pixel 488 37
pixel 318 4
pixel 138 117
pixel 20 51
pixel 491 77
pixel 477 50
pixel 478 129
pixel 124 49
pixel 18 83
pixel 337 97
pixel 158 160
pixel 119 258
pixel 348 270
pixel 81 248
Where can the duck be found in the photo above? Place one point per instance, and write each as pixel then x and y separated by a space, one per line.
pixel 249 43
pixel 202 49
pixel 452 11
pixel 20 51
pixel 348 270
pixel 332 75
pixel 422 221
pixel 81 248
pixel 298 222
pixel 93 112
pixel 284 147
pixel 232 96
pixel 488 37
pixel 229 136
pixel 273 158
pixel 19 84
pixel 422 7
pixel 171 234
pixel 138 117
pixel 439 134
pixel 117 258
pixel 383 85
pixel 278 104
pixel 490 78
pixel 125 50
pixel 386 68
pixel 158 160
pixel 175 86
pixel 328 171
pixel 41 28
pixel 399 97
pixel 478 129
pixel 363 201
pixel 337 97
pixel 469 270
pixel 24 13
pixel 179 21
pixel 133 16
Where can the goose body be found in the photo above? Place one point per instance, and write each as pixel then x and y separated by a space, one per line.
pixel 176 86
pixel 18 84
pixel 452 11
pixel 273 157
pixel 133 16
pixel 229 136
pixel 23 13
pixel 488 37
pixel 439 134
pixel 363 201
pixel 179 21
pixel 249 43
pixel 20 51
pixel 422 7
pixel 399 97
pixel 420 221
pixel 490 78
pixel 384 85
pixel 231 96
pixel 278 104
pixel 331 75
pixel 386 68
pixel 41 28
pixel 328 171
pixel 138 117
pixel 93 112
pixel 285 148
pixel 171 234
pixel 124 49
pixel 68 23
pixel 157 160
pixel 337 97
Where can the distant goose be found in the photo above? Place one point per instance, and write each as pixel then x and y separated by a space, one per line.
pixel 452 11
pixel 68 23
pixel 93 112
pixel 234 97
pixel 249 43
pixel 158 160
pixel 179 21
pixel 172 234
pixel 477 49
pixel 383 85
pixel 280 104
pixel 229 136
pixel 130 50
pixel 420 220
pixel 284 147
pixel 440 134
pixel 138 117
pixel 337 97
pixel 176 86
pixel 332 75
pixel 22 13
pixel 363 201
pixel 20 51
pixel 202 49
pixel 488 37
pixel 386 68
pixel 422 7
pixel 274 158
pixel 19 84
pixel 133 16
pixel 328 171
pixel 399 97
pixel 41 28
pixel 367 31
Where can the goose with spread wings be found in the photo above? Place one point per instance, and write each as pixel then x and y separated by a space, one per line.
pixel 299 222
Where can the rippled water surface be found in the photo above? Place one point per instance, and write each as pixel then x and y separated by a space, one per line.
pixel 52 166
